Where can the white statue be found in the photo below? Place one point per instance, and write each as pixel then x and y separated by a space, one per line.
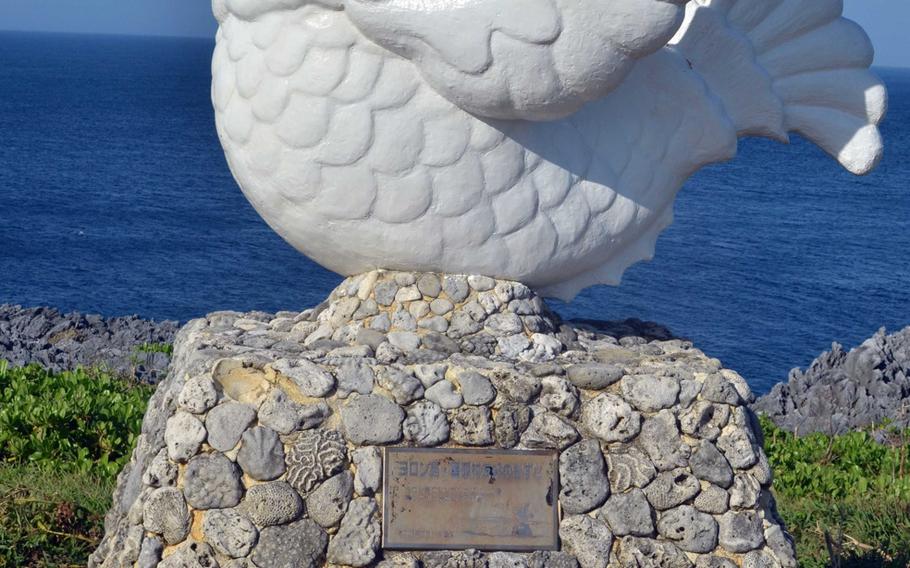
pixel 536 140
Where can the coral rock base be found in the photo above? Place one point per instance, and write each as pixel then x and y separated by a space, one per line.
pixel 261 449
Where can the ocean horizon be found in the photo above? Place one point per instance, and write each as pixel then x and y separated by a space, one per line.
pixel 116 199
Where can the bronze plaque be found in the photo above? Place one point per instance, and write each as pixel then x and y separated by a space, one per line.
pixel 450 499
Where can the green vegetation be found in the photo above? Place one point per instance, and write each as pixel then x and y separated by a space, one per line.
pixel 63 439
pixel 50 518
pixel 845 499
pixel 166 348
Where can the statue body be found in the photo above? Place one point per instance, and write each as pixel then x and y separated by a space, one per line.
pixel 542 141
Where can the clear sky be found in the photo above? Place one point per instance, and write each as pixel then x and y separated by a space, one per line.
pixel 887 21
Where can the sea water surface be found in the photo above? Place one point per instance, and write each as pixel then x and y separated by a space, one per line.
pixel 115 198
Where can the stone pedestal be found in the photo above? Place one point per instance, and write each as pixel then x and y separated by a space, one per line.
pixel 262 448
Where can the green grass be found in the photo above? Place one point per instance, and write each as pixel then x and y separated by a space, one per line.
pixel 63 439
pixel 845 499
pixel 50 518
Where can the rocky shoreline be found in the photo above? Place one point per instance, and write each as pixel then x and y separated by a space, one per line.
pixel 846 390
pixel 62 342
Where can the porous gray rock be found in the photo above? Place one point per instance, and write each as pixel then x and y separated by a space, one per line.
pixel 510 423
pixel 672 488
pixel 274 503
pixel 628 514
pixel 429 285
pixel 549 431
pixel 372 419
pixel 741 531
pixel 718 389
pixel 588 539
pixel 426 424
pixel 476 389
pixel 650 393
pixel 238 563
pixel 714 562
pixel 444 394
pixel 739 446
pixel 559 395
pixel 441 306
pixel 456 287
pixel 384 292
pixel 368 463
pixel 481 283
pixel 261 455
pixel 689 529
pixel 300 544
pixel 781 544
pixel 504 324
pixel 594 376
pixel 406 341
pixel 516 387
pixel 745 492
pixel 328 502
pixel 401 560
pixel 637 552
pixel 311 379
pixel 211 481
pixel 513 346
pixel 229 532
pixel 190 554
pixel 354 376
pixel 629 469
pixel 472 426
pixel 184 436
pixel 583 477
pixel 704 420
pixel 661 441
pixel 506 560
pixel 150 552
pixel 227 422
pixel 161 472
pixel 279 412
pixel 166 513
pixel 759 559
pixel 430 374
pixel 708 464
pixel 403 386
pixel 610 418
pixel 712 499
pixel 552 559
pixel 358 537
pixel 198 395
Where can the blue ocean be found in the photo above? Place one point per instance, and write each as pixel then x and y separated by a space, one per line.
pixel 115 198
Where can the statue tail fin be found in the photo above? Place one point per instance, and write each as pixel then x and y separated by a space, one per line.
pixel 783 66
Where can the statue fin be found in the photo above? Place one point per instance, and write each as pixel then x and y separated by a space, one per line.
pixel 783 66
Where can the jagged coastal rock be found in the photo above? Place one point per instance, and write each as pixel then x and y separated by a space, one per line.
pixel 846 390
pixel 262 447
pixel 62 342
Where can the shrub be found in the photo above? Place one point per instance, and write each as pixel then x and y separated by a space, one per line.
pixel 63 439
pixel 845 499
pixel 85 421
